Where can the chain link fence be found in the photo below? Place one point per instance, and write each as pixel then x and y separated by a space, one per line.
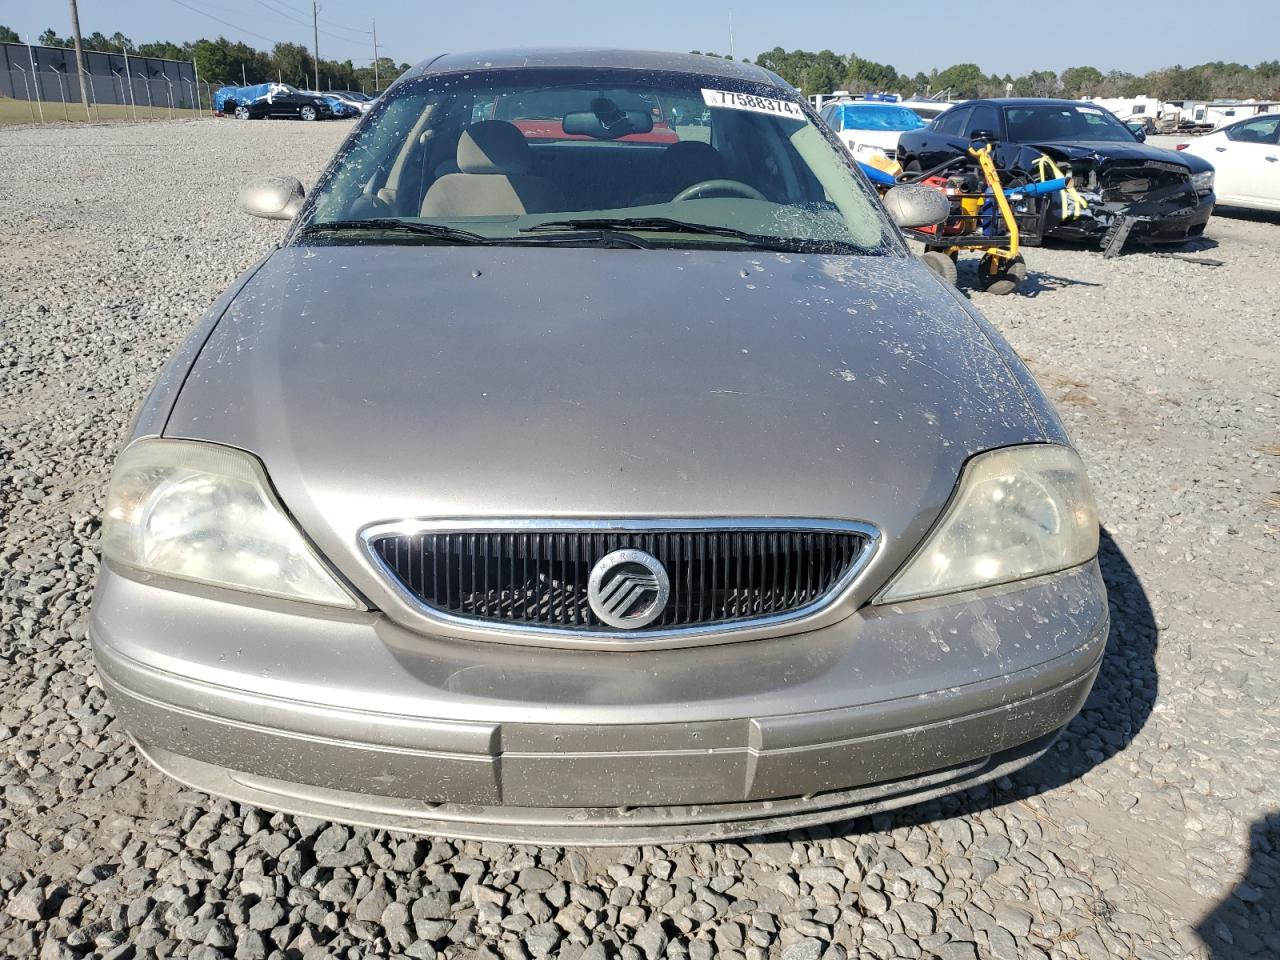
pixel 52 96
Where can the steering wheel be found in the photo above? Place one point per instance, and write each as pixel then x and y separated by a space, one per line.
pixel 734 188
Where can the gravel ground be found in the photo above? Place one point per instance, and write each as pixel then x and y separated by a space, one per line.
pixel 1152 830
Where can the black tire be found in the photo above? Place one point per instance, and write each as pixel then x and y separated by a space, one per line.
pixel 999 276
pixel 942 265
pixel 308 113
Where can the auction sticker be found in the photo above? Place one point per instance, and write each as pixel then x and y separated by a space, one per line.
pixel 752 103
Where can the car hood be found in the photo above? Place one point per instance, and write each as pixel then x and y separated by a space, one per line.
pixel 1131 152
pixel 379 383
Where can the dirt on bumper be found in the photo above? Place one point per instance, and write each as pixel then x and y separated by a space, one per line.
pixel 794 747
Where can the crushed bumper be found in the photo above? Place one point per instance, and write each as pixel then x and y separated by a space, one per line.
pixel 1157 222
pixel 352 718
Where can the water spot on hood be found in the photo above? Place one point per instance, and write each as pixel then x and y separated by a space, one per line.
pixel 986 637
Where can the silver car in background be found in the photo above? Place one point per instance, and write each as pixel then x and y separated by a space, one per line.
pixel 571 477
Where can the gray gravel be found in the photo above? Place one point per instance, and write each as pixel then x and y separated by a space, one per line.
pixel 1151 831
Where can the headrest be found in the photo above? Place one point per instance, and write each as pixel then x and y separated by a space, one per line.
pixel 493 146
pixel 688 162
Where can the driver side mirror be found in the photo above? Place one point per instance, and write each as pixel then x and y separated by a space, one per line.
pixel 915 205
pixel 272 198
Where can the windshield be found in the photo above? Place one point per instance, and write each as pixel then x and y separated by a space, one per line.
pixel 880 118
pixel 499 154
pixel 1036 123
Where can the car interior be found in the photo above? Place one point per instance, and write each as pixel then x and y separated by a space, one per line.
pixel 452 165
pixel 1034 124
pixel 1259 130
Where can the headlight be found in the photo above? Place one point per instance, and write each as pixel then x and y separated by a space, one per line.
pixel 1203 182
pixel 206 513
pixel 1018 512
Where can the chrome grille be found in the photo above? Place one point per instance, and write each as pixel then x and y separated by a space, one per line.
pixel 537 578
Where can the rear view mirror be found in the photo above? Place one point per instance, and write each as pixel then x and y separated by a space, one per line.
pixel 273 198
pixel 607 125
pixel 914 205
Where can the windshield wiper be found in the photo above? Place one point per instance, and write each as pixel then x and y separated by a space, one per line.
pixel 669 225
pixel 437 231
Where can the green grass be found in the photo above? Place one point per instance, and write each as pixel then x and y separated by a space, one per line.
pixel 20 111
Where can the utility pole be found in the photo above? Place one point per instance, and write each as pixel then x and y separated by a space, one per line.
pixel 315 39
pixel 375 56
pixel 75 34
pixel 730 34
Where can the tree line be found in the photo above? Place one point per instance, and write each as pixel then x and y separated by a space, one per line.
pixel 222 61
pixel 825 71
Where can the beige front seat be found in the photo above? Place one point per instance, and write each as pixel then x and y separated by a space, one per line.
pixel 494 160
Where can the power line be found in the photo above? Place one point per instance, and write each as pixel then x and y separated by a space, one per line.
pixel 333 36
pixel 297 10
pixel 343 26
pixel 339 26
pixel 333 23
pixel 245 30
pixel 279 13
pixel 225 23
pixel 303 23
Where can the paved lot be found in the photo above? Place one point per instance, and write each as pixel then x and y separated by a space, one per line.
pixel 1152 830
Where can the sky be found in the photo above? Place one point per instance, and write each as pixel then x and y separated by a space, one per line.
pixel 1132 35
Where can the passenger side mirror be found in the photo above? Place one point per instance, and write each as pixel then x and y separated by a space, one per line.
pixel 272 198
pixel 915 205
pixel 1141 134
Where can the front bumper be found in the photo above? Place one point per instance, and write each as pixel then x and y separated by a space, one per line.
pixel 1168 222
pixel 351 717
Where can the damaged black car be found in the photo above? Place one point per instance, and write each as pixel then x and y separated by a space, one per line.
pixel 1118 187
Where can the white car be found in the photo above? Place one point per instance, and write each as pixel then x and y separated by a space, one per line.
pixel 929 110
pixel 353 98
pixel 870 127
pixel 1246 158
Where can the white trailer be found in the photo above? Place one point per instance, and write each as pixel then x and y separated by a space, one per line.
pixel 1222 112
pixel 1131 108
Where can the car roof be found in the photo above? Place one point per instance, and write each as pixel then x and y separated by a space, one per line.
pixel 1028 102
pixel 868 103
pixel 595 58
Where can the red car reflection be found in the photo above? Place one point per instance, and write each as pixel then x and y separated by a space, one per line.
pixel 554 130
